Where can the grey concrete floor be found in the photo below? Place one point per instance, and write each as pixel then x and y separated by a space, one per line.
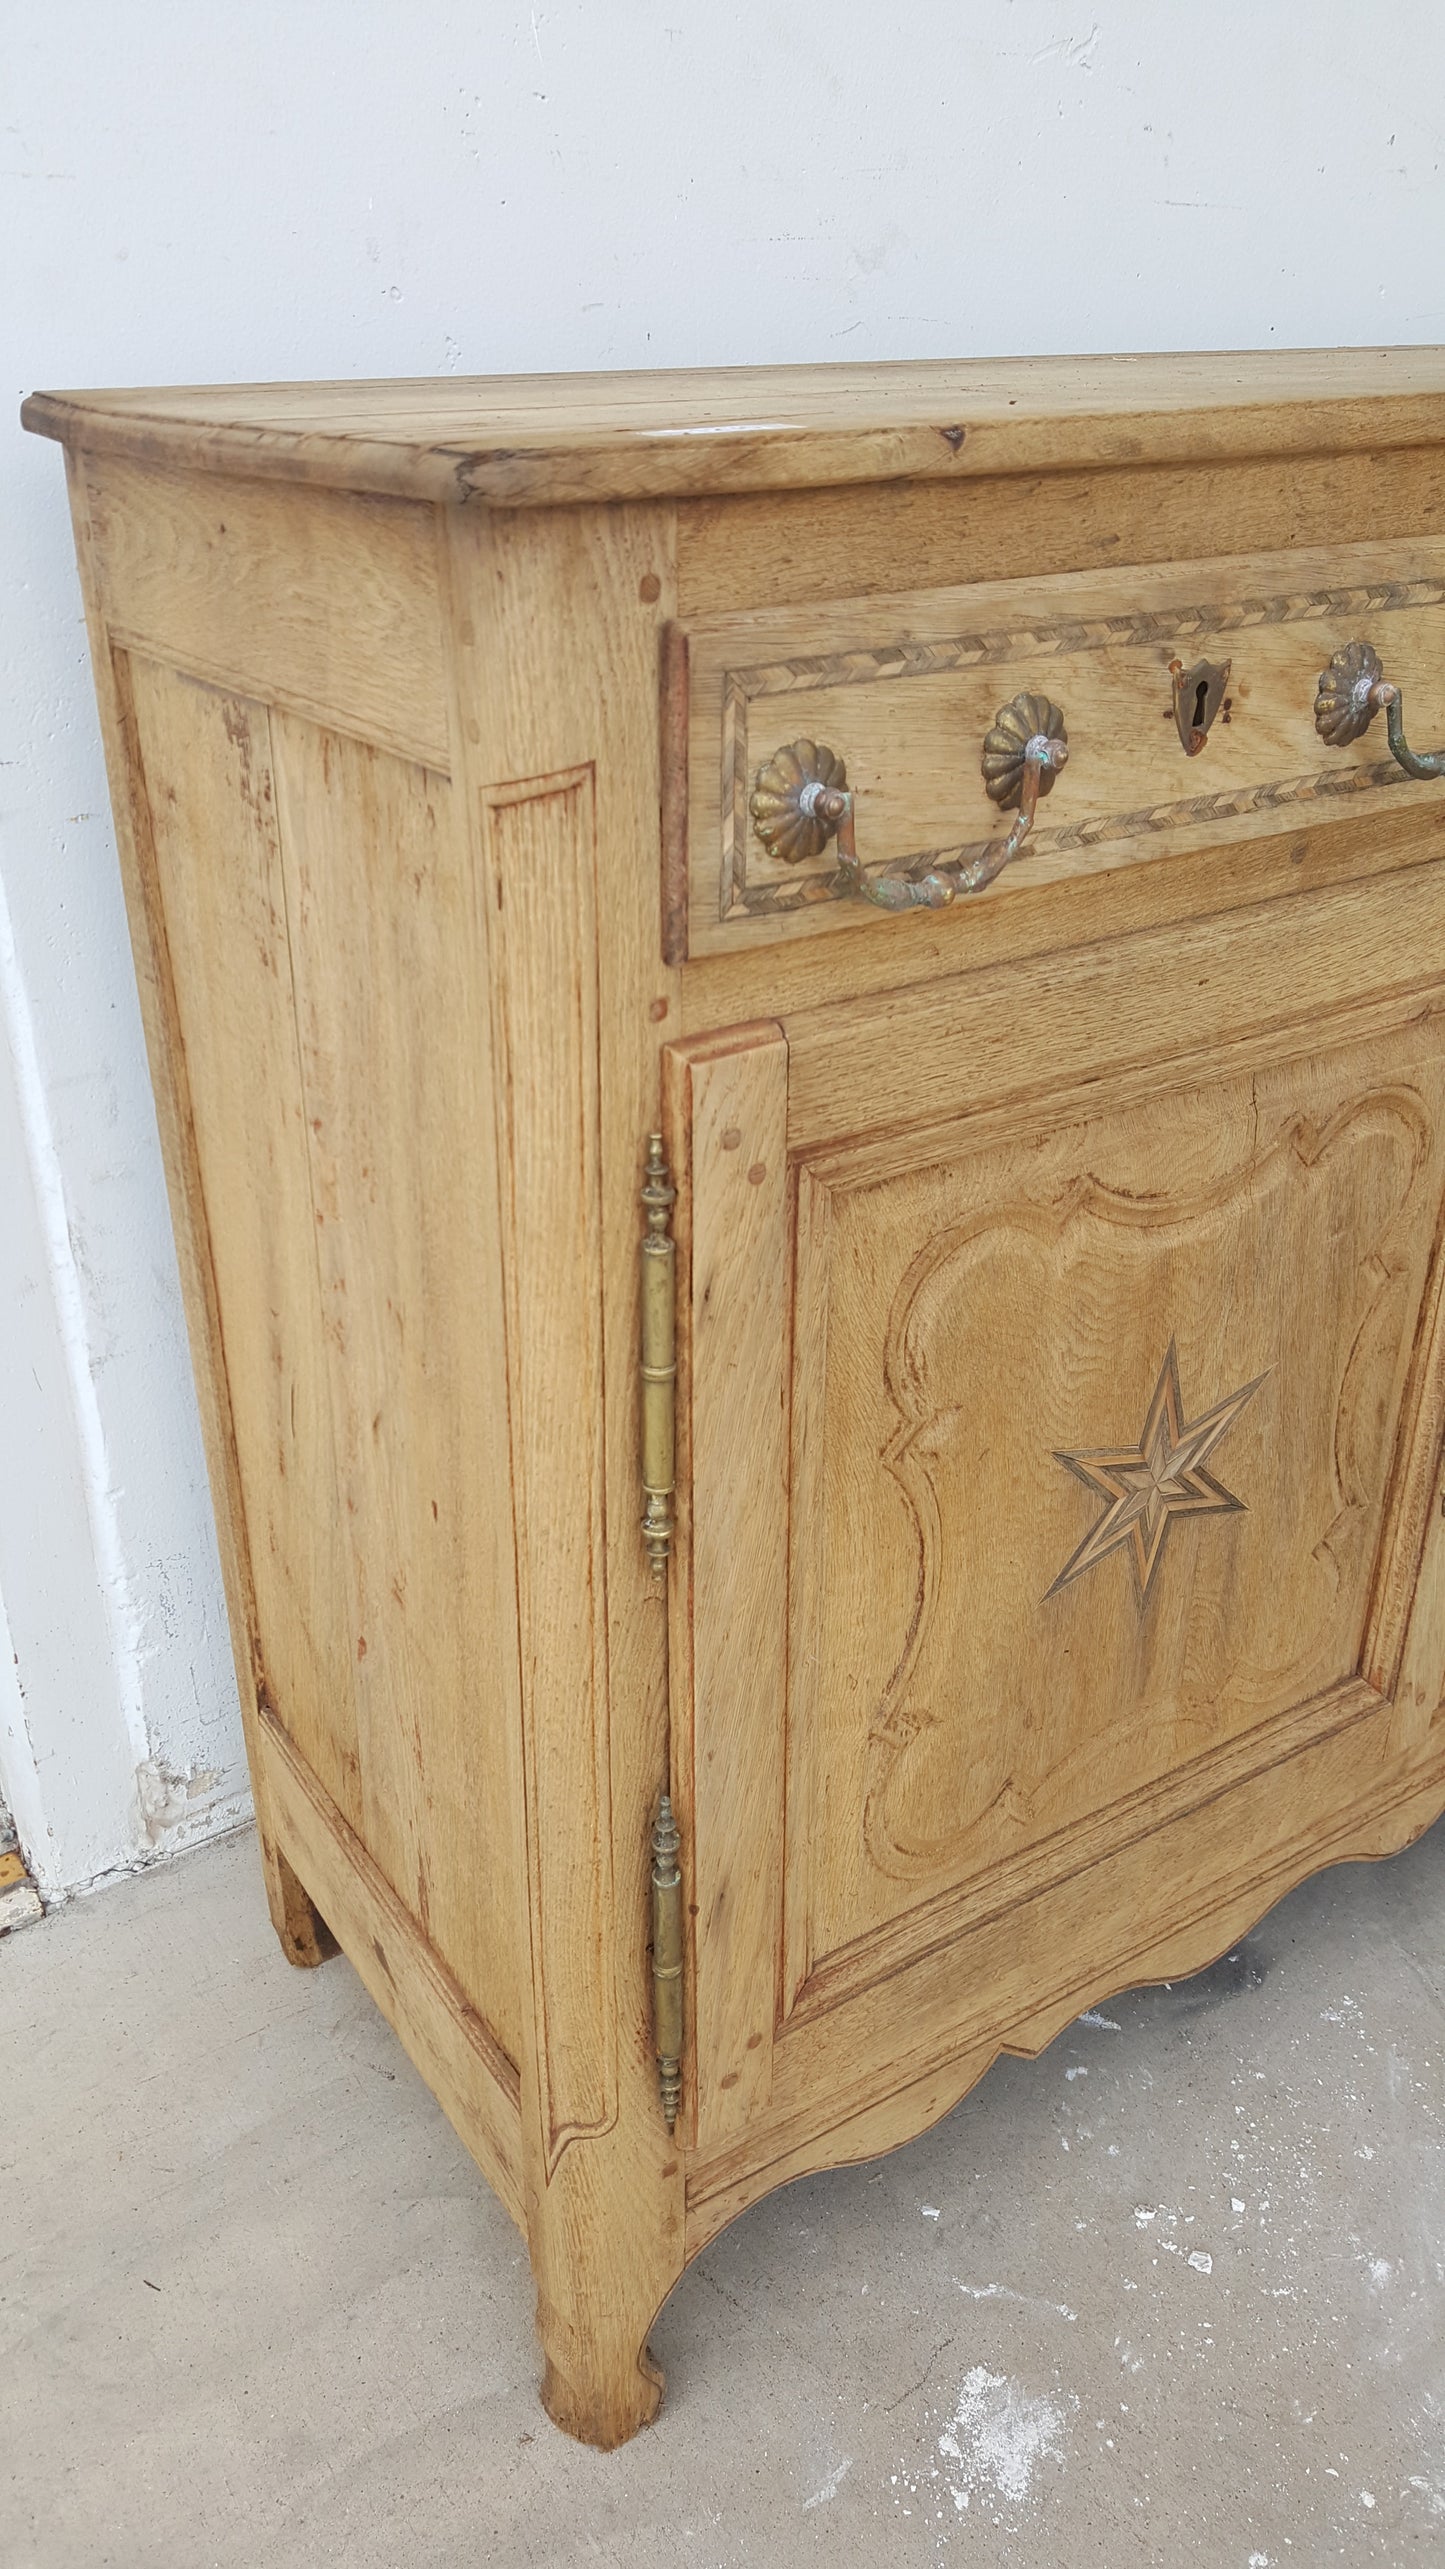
pixel 1173 2293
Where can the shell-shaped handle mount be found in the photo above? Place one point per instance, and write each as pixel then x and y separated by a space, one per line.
pixel 1351 692
pixel 786 797
pixel 801 800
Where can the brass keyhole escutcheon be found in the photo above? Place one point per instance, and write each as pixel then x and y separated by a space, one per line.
pixel 1198 697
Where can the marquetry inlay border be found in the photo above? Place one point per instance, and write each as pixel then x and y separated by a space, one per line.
pixel 1137 628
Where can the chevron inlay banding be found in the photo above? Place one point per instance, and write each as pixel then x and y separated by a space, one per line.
pixel 1043 640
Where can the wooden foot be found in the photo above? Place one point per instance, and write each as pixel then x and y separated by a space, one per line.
pixel 306 1940
pixel 601 2383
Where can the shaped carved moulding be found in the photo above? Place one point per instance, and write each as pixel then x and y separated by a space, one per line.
pixel 996 1320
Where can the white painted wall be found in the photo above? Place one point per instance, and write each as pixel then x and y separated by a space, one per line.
pixel 341 187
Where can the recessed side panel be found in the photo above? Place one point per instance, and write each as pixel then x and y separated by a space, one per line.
pixel 208 781
pixel 453 2046
pixel 318 922
pixel 391 1016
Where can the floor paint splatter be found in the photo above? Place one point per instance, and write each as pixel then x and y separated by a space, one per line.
pixel 1006 2292
pixel 829 2488
pixel 999 2439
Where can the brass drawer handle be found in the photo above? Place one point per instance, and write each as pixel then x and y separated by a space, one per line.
pixel 801 799
pixel 1350 694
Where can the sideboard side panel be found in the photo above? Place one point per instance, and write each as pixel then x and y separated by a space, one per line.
pixel 391 1012
pixel 205 765
pixel 315 990
pixel 291 1911
pixel 320 601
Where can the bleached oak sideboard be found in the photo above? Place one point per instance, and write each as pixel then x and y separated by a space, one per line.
pixel 799 1027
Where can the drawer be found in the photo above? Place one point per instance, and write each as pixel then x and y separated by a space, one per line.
pixel 903 690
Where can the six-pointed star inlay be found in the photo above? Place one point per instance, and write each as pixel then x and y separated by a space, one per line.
pixel 1149 1484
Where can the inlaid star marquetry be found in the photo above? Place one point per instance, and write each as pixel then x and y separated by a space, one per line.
pixel 1149 1484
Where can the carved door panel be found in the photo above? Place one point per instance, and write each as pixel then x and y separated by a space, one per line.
pixel 1054 1469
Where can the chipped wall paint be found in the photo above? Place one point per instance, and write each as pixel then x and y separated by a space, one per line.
pixel 502 189
pixel 94 1713
pixel 17 1755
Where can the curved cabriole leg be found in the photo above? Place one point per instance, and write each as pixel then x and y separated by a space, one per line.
pixel 600 2381
pixel 605 2232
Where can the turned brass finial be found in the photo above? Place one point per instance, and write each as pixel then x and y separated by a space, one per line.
pixel 659 1361
pixel 667 1958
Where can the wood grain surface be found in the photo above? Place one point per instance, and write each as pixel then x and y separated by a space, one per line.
pixel 430 711
pixel 540 439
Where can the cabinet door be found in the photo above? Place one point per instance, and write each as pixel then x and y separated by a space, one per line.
pixel 1058 1475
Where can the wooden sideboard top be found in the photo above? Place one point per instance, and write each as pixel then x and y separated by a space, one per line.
pixel 520 440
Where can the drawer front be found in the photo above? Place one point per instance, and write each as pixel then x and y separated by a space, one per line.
pixel 1057 1467
pixel 904 689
